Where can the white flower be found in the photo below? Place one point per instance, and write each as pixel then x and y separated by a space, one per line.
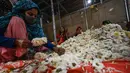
pixel 40 55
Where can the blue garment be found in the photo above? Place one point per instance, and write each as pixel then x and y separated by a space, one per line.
pixel 4 41
pixel 7 42
pixel 34 30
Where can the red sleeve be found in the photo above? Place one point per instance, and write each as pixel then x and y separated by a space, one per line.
pixel 58 36
pixel 16 28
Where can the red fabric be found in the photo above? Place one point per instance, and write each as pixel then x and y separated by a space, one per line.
pixel 86 69
pixel 58 36
pixel 20 52
pixel 61 39
pixel 89 69
pixel 16 29
pixel 123 66
pixel 6 54
pixel 76 70
pixel 49 70
pixel 42 48
pixel 14 65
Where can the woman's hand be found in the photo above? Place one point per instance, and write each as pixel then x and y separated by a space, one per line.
pixel 59 51
pixel 22 43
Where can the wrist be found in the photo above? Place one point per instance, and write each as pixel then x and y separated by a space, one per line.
pixel 18 43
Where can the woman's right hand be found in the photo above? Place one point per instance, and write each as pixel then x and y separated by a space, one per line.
pixel 22 43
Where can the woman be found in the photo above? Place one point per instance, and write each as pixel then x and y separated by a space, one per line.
pixel 19 28
pixel 78 30
pixel 62 36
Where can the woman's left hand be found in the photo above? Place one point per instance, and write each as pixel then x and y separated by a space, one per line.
pixel 59 51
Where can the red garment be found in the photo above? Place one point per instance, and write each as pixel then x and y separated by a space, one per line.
pixel 16 29
pixel 60 38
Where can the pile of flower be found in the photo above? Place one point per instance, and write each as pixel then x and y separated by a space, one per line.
pixel 94 46
pixel 109 42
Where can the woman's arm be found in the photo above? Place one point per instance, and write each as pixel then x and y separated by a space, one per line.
pixel 7 42
pixel 49 45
